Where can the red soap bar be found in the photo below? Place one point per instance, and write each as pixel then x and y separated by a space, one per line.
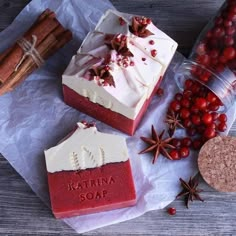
pixel 93 190
pixel 105 115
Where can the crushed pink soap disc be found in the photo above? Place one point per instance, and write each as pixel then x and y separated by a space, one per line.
pixel 217 163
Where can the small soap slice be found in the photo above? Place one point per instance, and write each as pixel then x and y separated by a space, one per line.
pixel 217 163
pixel 89 172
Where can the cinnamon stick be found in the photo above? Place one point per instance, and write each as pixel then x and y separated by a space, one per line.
pixel 51 44
pixel 50 35
pixel 41 29
pixel 43 15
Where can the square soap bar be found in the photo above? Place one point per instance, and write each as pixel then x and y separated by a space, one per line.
pixel 118 69
pixel 89 172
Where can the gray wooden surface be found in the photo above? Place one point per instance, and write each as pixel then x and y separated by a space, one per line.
pixel 22 213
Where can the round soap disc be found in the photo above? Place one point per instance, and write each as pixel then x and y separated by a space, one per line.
pixel 217 163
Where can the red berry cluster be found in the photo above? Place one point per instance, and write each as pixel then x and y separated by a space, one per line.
pixel 182 148
pixel 218 47
pixel 197 108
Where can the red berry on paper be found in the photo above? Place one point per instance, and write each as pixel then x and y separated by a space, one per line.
pixel 209 133
pixel 222 118
pixel 184 152
pixel 171 211
pixel 174 154
pixel 186 142
pixel 222 127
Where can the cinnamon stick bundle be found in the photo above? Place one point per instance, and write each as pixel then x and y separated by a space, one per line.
pixel 41 41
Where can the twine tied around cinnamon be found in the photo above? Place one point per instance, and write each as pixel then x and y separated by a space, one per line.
pixel 29 50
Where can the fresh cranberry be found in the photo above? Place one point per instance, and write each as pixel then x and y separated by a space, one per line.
pixel 230 30
pixel 188 83
pixel 201 103
pixel 222 118
pixel 218 32
pixel 213 107
pixel 176 142
pixel 184 113
pixel 178 96
pixel 229 53
pixel 203 59
pixel 186 142
pixel 196 120
pixel 194 110
pixel 187 123
pixel 204 77
pixel 214 53
pixel 231 16
pixel 222 59
pixel 212 126
pixel 174 154
pixel 214 115
pixel 185 103
pixel 195 88
pixel 222 127
pixel 171 211
pixel 227 23
pixel 228 41
pixel 207 118
pixel 187 94
pixel 209 133
pixel 211 97
pixel 201 49
pixel 175 105
pixel 184 152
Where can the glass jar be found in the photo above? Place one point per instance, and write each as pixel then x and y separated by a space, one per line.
pixel 212 61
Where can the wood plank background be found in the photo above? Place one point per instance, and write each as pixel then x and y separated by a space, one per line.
pixel 22 213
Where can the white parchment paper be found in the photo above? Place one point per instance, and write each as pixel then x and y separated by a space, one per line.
pixel 34 117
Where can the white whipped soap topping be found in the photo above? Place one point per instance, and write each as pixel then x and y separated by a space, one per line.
pixel 86 148
pixel 133 83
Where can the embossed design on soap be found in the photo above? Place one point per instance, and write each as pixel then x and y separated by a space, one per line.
pixel 74 161
pixel 102 153
pixel 90 155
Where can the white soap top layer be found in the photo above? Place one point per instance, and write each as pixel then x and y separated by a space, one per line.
pixel 133 84
pixel 86 148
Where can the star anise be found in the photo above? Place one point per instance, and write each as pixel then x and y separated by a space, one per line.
pixel 172 119
pixel 139 25
pixel 190 190
pixel 118 43
pixel 157 144
pixel 102 76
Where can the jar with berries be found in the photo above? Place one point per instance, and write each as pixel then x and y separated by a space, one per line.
pixel 207 79
pixel 212 61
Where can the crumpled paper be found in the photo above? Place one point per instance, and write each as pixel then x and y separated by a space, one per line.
pixel 34 117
